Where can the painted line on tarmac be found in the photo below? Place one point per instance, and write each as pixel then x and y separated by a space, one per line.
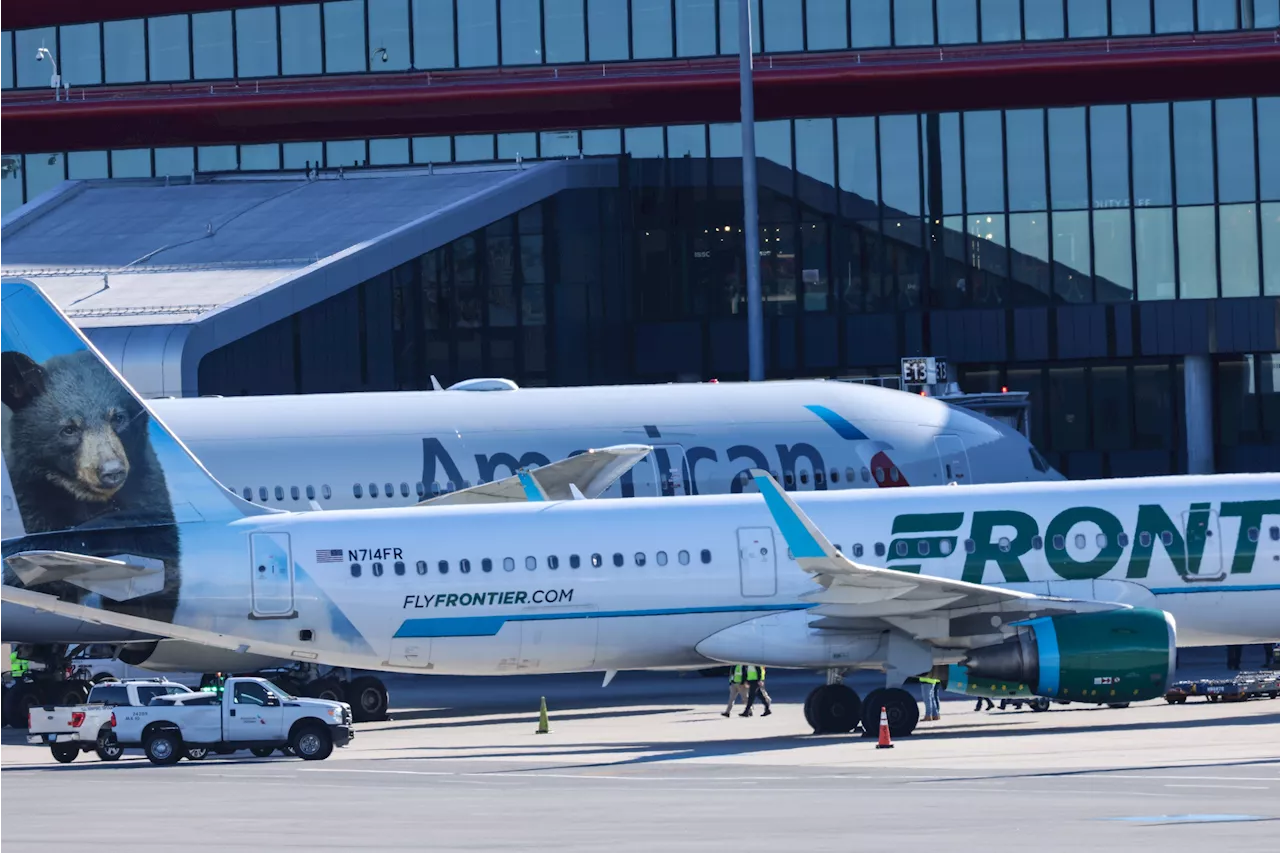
pixel 358 770
pixel 1232 787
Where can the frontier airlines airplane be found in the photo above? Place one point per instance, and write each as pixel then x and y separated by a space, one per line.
pixel 1078 591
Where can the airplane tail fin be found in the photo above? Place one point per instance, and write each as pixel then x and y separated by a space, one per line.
pixel 81 449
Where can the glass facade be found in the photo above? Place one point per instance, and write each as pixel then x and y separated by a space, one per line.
pixel 358 36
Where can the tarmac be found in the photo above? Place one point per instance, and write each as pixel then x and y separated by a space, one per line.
pixel 649 764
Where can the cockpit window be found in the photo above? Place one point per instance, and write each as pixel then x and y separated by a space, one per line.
pixel 1037 461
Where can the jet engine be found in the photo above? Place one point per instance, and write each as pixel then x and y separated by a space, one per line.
pixel 1113 656
pixel 182 656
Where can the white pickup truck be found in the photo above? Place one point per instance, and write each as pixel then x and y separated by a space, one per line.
pixel 71 729
pixel 251 713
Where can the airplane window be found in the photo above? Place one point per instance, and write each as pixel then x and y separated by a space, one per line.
pixel 248 493
pixel 508 564
pixel 922 547
pixel 597 561
pixel 449 487
pixel 893 473
pixel 1166 537
pixel 1253 534
pixel 683 557
pixel 1059 542
pixel 357 491
pixel 849 475
pixel 373 490
pixel 553 562
pixel 1004 544
pixel 639 558
pixel 1122 539
pixel 901 548
pixel 789 481
pixel 857 549
pixel 464 566
pixel 421 489
pixel 970 546
pixel 879 549
pixel 377 570
pixel 279 493
pixel 293 492
pixel 945 547
pixel 1081 540
pixel 311 493
pixel 443 567
pixel 355 570
pixel 404 489
pixel 574 562
pixel 866 476
pixel 1144 539
pixel 421 566
pixel 1037 542
pixel 399 568
pixel 661 557
pixel 804 478
pixel 818 479
pixel 838 548
pixel 262 493
pixel 531 563
pixel 706 556
pixel 1101 539
pixel 389 491
pixel 326 492
pixel 879 475
pixel 435 490
pixel 835 475
pixel 618 560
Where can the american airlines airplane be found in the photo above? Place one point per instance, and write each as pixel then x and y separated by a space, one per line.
pixel 357 451
pixel 1077 591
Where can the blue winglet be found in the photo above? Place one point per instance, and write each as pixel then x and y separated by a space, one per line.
pixel 792 523
pixel 532 491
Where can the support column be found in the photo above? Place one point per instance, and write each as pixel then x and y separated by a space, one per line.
pixel 1197 380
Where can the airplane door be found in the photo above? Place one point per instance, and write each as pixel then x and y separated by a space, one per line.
pixel 558 645
pixel 1204 548
pixel 271 578
pixel 410 651
pixel 953 459
pixel 757 564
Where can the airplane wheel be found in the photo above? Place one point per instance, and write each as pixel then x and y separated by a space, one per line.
pixel 899 706
pixel 1039 703
pixel 22 697
pixel 808 709
pixel 326 688
pixel 66 693
pixel 1117 705
pixel 368 698
pixel 834 708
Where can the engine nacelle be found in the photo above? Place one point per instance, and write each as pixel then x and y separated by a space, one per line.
pixel 1113 656
pixel 181 656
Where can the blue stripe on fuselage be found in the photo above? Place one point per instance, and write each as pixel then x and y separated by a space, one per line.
pixel 838 423
pixel 487 626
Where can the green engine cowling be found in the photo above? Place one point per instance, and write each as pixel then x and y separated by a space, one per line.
pixel 1114 656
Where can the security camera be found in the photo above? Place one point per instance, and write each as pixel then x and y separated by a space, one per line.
pixel 381 53
pixel 40 56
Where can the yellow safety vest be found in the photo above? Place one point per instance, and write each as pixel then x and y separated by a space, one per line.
pixel 927 680
pixel 17 666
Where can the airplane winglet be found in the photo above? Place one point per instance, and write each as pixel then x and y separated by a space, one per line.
pixel 533 490
pixel 803 537
pixel 435 384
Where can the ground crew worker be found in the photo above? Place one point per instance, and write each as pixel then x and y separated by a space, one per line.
pixel 737 688
pixel 17 666
pixel 755 688
pixel 929 695
pixel 981 699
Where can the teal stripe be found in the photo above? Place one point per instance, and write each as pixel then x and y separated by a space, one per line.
pixel 1050 657
pixel 841 425
pixel 801 542
pixel 532 492
pixel 1210 587
pixel 487 626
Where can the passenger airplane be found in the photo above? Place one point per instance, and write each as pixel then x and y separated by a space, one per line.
pixel 355 451
pixel 1077 590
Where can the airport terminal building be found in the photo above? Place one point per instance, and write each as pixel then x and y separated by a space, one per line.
pixel 1075 198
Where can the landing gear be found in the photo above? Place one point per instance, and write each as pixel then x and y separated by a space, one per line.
pixel 18 702
pixel 899 706
pixel 366 694
pixel 368 698
pixel 326 688
pixel 1038 703
pixel 833 709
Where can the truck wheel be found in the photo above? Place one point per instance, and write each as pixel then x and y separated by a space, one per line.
pixel 312 742
pixel 197 753
pixel 22 697
pixel 262 751
pixel 163 747
pixel 64 753
pixel 368 697
pixel 108 748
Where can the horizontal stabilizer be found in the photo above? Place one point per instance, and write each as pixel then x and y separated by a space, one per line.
pixel 590 473
pixel 118 578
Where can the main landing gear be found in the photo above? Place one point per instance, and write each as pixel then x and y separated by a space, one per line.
pixel 50 680
pixel 835 708
pixel 366 694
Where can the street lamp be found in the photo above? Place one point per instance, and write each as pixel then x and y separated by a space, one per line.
pixel 750 216
pixel 55 81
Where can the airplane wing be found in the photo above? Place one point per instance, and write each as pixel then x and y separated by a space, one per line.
pixel 940 609
pixel 589 473
pixel 119 578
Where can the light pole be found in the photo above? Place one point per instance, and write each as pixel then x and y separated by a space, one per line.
pixel 56 80
pixel 750 213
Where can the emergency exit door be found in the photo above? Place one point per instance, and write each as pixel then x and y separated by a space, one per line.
pixel 1203 544
pixel 953 459
pixel 271 576
pixel 757 564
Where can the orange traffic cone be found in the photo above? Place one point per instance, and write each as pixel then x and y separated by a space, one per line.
pixel 884 743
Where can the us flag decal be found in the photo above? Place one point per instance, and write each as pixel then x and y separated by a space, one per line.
pixel 329 556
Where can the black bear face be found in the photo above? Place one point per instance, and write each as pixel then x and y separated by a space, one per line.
pixel 77 428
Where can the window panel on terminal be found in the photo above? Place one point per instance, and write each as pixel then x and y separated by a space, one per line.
pixel 1001 20
pixel 565 30
pixel 948 130
pixel 869 23
pixel 1270 221
pixel 1086 18
pixel 1193 151
pixel 783 26
pixel 473 148
pixel 984 161
pixel 1197 252
pixel 912 22
pixel 348 153
pixel 1024 146
pixel 1238 234
pixel 125 44
pixel 607 30
pixel 1152 155
pixel 695 26
pixel 1073 269
pixel 1029 269
pixel 300 49
pixel 521 32
pixel 477 34
pixel 511 145
pixel 87 164
pixel 1113 256
pixel 1112 397
pixel 1233 121
pixel 6 60
pixel 388 152
pixel 558 143
pixel 957 22
pixel 729 27
pixel 651 29
pixel 32 72
pixel 1068 159
pixel 389 35
pixel 298 154
pixel 256 43
pixel 1217 15
pixel 80 54
pixel 826 24
pixel 345 49
pixel 168 48
pixel 212 50
pixel 1109 155
pixel 1131 17
pixel 174 161
pixel 1266 14
pixel 433 33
